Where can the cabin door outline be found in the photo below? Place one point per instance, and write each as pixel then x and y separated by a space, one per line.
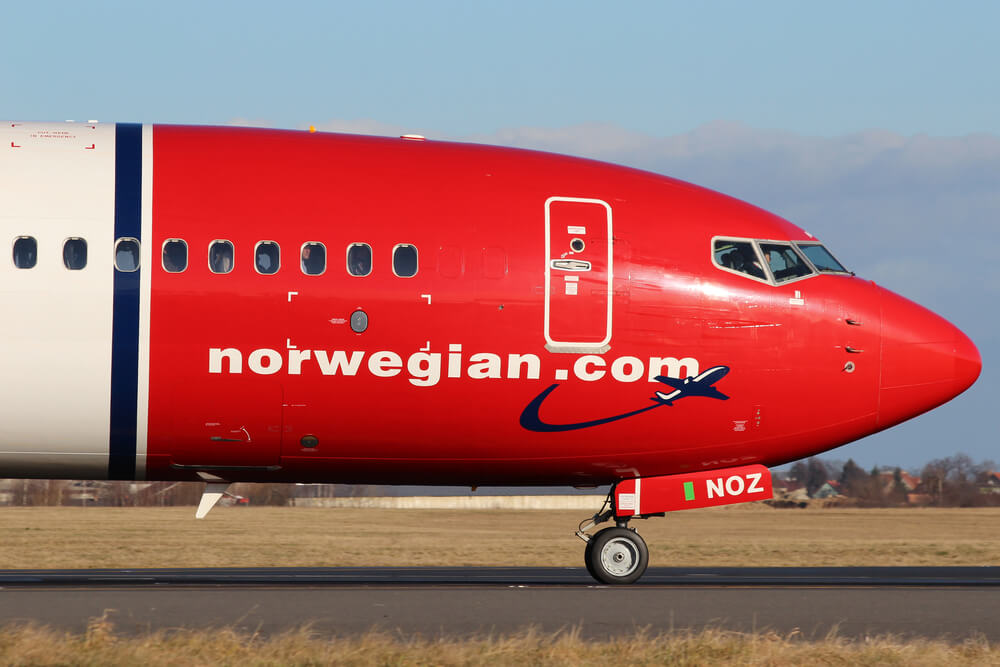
pixel 591 269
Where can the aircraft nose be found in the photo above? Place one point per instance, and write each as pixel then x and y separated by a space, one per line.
pixel 926 360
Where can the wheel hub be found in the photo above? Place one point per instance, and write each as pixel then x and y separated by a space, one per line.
pixel 619 557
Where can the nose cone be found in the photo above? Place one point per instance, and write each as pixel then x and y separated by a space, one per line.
pixel 926 360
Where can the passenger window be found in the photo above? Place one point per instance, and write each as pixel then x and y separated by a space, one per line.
pixel 75 253
pixel 404 260
pixel 25 252
pixel 313 258
pixel 127 254
pixel 784 262
pixel 739 256
pixel 220 257
pixel 359 259
pixel 175 255
pixel 267 257
pixel 821 258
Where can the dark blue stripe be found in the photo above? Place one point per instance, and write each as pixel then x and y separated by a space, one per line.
pixel 125 331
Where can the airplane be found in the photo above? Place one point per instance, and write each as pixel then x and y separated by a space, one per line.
pixel 689 386
pixel 224 304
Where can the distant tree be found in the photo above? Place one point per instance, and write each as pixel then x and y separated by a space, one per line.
pixel 898 491
pixel 863 487
pixel 852 476
pixel 951 481
pixel 816 476
pixel 833 468
pixel 799 472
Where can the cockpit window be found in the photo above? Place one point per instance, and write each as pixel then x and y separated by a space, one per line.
pixel 784 262
pixel 739 256
pixel 821 258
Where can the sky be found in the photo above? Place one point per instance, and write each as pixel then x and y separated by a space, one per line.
pixel 874 125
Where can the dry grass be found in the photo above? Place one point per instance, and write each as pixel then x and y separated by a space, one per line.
pixel 101 646
pixel 73 537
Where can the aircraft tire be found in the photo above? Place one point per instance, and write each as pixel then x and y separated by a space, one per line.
pixel 588 557
pixel 617 556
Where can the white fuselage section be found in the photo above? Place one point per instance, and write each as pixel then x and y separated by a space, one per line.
pixel 57 181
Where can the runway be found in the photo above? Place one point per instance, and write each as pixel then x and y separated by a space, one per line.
pixel 949 603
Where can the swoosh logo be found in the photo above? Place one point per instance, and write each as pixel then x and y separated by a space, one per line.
pixel 699 386
pixel 533 422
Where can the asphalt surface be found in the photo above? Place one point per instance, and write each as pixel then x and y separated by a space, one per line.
pixel 943 603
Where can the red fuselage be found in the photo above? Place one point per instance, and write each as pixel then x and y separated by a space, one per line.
pixel 429 392
pixel 254 305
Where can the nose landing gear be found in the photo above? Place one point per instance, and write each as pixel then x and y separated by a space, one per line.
pixel 615 555
pixel 618 555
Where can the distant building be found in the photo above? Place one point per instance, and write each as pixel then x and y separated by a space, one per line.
pixel 992 483
pixel 830 489
pixel 888 480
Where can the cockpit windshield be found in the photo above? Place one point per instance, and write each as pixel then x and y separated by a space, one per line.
pixel 774 262
pixel 739 256
pixel 821 258
pixel 784 262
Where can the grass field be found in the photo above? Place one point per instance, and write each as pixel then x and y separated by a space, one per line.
pixel 749 535
pixel 100 646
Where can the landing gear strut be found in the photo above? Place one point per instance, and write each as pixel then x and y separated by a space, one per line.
pixel 615 555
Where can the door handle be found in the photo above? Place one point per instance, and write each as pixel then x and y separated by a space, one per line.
pixel 570 265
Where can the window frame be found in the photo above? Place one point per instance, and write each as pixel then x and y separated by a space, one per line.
pixel 13 252
pixel 791 244
pixel 371 259
pixel 798 245
pixel 256 247
pixel 86 252
pixel 416 269
pixel 232 247
pixel 187 254
pixel 771 280
pixel 326 264
pixel 138 245
pixel 767 279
